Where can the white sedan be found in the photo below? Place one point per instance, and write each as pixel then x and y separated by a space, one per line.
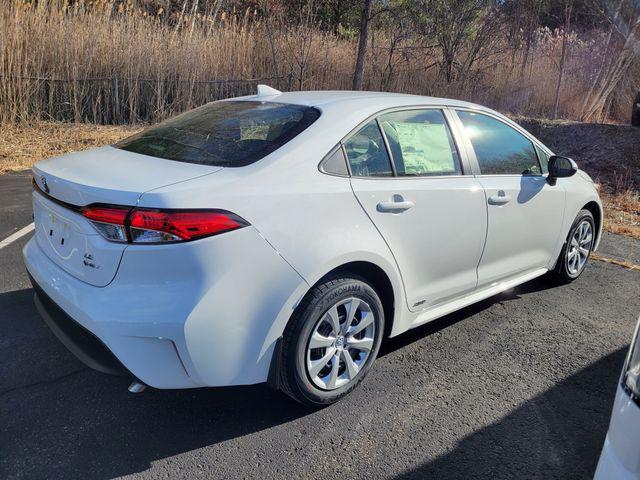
pixel 620 457
pixel 281 237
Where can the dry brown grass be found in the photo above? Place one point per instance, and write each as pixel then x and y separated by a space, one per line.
pixel 622 213
pixel 86 63
pixel 621 196
pixel 613 261
pixel 23 145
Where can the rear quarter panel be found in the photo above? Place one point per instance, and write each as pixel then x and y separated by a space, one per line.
pixel 311 219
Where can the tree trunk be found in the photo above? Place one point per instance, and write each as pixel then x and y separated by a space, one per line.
pixel 635 112
pixel 563 56
pixel 610 81
pixel 358 74
pixel 605 60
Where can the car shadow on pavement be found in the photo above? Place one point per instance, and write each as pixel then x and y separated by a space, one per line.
pixel 60 419
pixel 392 344
pixel 549 436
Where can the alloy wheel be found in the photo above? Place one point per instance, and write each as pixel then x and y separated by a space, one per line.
pixel 340 343
pixel 579 247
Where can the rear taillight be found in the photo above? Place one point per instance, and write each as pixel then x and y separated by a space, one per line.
pixel 146 225
pixel 151 226
pixel 108 221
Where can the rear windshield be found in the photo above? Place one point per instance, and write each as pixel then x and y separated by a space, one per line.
pixel 225 134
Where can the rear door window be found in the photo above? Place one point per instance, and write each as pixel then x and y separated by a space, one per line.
pixel 225 134
pixel 420 143
pixel 499 148
pixel 367 153
pixel 335 163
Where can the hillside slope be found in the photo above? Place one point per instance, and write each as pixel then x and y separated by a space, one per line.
pixel 610 154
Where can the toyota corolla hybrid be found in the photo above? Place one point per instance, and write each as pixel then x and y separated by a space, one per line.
pixel 281 237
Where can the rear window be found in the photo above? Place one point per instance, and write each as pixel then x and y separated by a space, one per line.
pixel 225 134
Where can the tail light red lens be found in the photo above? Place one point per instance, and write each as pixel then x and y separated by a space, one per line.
pixel 157 225
pixel 115 215
pixel 143 225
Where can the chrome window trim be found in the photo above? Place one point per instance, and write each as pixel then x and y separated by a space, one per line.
pixel 468 161
pixel 405 177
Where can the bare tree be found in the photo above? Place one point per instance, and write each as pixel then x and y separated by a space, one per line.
pixel 625 21
pixel 300 39
pixel 460 29
pixel 393 48
pixel 398 36
pixel 563 54
pixel 270 13
pixel 365 16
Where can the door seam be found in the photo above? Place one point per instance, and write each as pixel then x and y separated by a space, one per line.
pixel 486 231
pixel 406 298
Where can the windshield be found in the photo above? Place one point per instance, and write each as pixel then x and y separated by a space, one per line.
pixel 224 134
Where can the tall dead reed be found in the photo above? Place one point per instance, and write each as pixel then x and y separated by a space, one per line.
pixel 105 62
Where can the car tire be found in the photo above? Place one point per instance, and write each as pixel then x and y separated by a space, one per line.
pixel 576 249
pixel 324 310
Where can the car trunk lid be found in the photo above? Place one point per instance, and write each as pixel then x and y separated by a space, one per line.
pixel 110 175
pixel 105 176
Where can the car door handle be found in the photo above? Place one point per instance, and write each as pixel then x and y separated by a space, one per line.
pixel 499 199
pixel 395 206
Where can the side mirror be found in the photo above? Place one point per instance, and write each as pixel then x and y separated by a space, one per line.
pixel 561 167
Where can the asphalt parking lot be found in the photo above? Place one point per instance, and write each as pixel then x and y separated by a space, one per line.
pixel 518 386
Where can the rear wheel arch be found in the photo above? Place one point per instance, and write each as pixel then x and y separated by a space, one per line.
pixel 373 274
pixel 377 278
pixel 364 270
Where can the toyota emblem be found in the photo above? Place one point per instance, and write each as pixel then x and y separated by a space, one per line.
pixel 45 187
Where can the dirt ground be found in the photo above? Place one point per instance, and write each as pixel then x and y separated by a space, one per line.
pixel 610 154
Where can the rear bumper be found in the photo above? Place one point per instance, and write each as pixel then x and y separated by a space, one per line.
pixel 206 313
pixel 89 322
pixel 81 342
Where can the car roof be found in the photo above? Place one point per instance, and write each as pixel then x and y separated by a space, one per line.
pixel 344 110
pixel 345 98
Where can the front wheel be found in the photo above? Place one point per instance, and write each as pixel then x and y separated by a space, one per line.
pixel 577 248
pixel 331 341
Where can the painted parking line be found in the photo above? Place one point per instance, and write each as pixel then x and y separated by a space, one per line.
pixel 15 236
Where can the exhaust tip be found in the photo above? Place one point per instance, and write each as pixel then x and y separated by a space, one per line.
pixel 137 387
